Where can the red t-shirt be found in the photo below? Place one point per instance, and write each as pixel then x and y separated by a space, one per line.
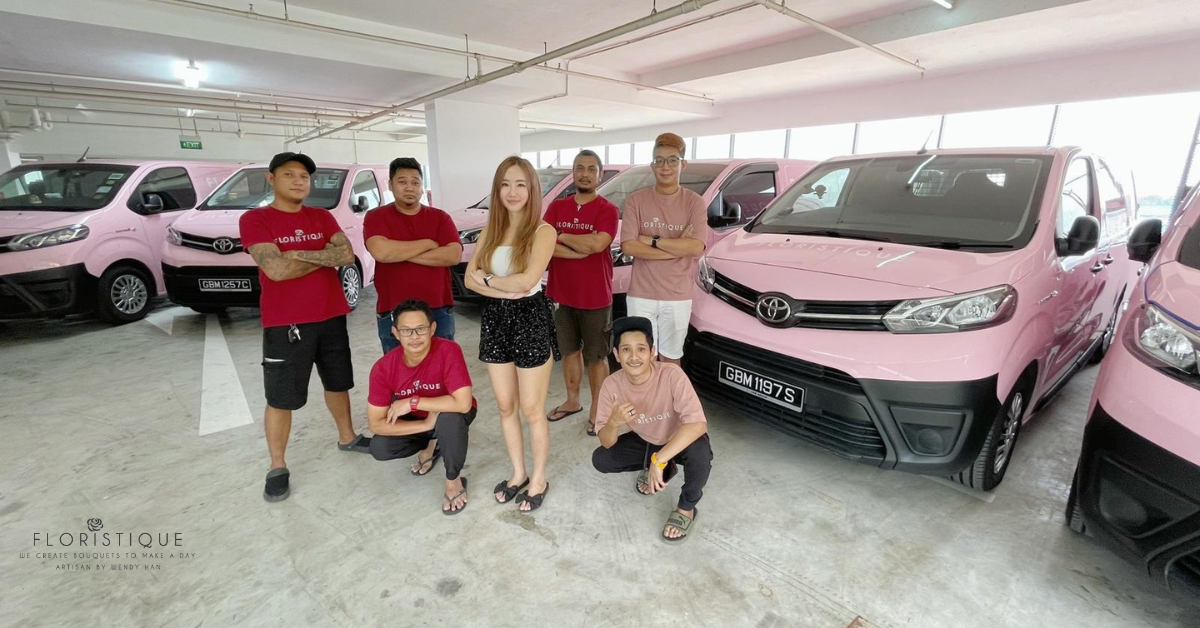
pixel 443 371
pixel 582 283
pixel 398 281
pixel 312 298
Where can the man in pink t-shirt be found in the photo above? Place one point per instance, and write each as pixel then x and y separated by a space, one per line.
pixel 649 419
pixel 420 401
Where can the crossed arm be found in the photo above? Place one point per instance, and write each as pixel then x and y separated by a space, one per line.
pixel 425 252
pixel 279 266
pixel 668 248
pixel 518 285
pixel 581 245
pixel 383 419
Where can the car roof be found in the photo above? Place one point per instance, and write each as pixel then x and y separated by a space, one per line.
pixel 1009 150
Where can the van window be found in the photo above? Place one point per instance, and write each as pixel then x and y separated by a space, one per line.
pixel 988 202
pixel 171 184
pixel 1112 200
pixel 752 190
pixel 696 177
pixel 1076 196
pixel 61 187
pixel 366 186
pixel 249 189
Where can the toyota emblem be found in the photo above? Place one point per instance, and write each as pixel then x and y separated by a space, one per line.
pixel 223 245
pixel 773 309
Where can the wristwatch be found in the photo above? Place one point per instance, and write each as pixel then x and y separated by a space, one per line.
pixel 412 403
pixel 655 462
pixel 487 280
pixel 654 242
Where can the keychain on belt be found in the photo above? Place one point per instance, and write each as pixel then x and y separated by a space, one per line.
pixel 293 334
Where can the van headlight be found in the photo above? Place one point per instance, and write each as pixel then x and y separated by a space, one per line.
pixel 52 237
pixel 959 312
pixel 469 236
pixel 174 237
pixel 1161 338
pixel 705 275
pixel 619 257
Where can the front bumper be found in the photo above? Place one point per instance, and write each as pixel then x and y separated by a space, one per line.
pixel 458 287
pixel 1141 501
pixel 931 428
pixel 47 293
pixel 183 285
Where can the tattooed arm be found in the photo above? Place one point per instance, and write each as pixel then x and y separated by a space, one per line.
pixel 275 265
pixel 335 254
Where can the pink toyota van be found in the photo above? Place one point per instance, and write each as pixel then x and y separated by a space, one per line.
pixel 85 236
pixel 1137 485
pixel 910 310
pixel 203 262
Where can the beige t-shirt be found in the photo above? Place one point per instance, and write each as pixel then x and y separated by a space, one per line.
pixel 649 213
pixel 663 403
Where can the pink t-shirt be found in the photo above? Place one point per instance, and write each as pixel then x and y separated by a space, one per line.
pixel 443 371
pixel 663 403
pixel 649 213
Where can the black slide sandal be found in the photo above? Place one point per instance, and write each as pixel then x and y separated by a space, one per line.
pixel 509 491
pixel 535 501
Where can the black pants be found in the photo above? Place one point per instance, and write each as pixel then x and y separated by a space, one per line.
pixel 631 453
pixel 450 432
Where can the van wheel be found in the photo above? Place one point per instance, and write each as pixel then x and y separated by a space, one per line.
pixel 1074 514
pixel 352 284
pixel 123 295
pixel 991 464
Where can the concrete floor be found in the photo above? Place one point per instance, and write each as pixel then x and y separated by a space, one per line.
pixel 102 422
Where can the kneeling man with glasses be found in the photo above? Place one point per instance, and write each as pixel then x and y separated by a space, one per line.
pixel 420 401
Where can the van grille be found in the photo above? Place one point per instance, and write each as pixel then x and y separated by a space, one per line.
pixel 848 315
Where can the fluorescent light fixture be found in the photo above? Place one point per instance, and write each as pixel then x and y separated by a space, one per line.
pixel 581 128
pixel 191 75
pixel 406 121
pixel 188 113
pixel 945 3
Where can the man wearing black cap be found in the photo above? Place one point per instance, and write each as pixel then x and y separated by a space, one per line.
pixel 649 419
pixel 298 250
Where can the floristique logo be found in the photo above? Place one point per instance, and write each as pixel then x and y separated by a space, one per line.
pixel 88 551
pixel 94 525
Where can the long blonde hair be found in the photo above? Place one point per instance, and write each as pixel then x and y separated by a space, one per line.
pixel 498 218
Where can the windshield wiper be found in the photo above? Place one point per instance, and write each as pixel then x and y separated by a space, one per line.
pixel 955 245
pixel 830 233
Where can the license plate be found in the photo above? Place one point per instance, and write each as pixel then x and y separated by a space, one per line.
pixel 225 285
pixel 761 386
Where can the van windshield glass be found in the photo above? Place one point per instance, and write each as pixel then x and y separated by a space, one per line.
pixel 248 189
pixel 988 203
pixel 61 187
pixel 695 177
pixel 547 178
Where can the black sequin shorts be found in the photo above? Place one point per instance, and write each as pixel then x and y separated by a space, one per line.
pixel 520 331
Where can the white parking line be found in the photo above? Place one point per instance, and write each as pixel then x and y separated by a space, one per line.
pixel 165 319
pixel 222 403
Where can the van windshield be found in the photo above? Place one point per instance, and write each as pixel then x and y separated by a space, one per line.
pixel 248 189
pixel 547 178
pixel 61 187
pixel 695 177
pixel 988 203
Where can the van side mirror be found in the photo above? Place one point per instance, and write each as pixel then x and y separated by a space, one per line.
pixel 152 203
pixel 730 212
pixel 360 204
pixel 1144 240
pixel 1083 237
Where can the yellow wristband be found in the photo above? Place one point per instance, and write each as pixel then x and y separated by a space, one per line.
pixel 654 460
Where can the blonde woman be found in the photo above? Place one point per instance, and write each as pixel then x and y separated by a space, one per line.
pixel 517 339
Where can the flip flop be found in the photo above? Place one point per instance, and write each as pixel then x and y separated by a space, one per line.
pixel 681 522
pixel 431 461
pixel 449 499
pixel 535 501
pixel 644 477
pixel 508 491
pixel 361 444
pixel 562 414
pixel 591 430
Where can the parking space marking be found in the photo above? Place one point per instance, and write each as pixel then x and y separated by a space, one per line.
pixel 222 403
pixel 165 319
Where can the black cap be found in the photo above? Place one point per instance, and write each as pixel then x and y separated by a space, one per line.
pixel 300 158
pixel 632 323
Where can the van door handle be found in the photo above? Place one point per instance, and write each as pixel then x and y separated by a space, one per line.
pixel 1107 260
pixel 1098 267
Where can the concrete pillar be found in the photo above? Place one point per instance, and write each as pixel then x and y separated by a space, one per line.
pixel 9 157
pixel 467 141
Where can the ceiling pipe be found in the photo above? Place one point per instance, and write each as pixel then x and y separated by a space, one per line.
pixel 247 133
pixel 672 29
pixel 775 6
pixel 427 47
pixel 680 9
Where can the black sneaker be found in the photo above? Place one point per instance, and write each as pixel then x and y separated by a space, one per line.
pixel 277 485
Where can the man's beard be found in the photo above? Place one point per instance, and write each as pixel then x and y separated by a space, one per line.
pixel 584 190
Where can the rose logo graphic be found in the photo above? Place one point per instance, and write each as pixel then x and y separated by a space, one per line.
pixel 299 232
pixel 94 525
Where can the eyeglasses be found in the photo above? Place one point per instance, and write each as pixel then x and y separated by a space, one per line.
pixel 659 162
pixel 413 331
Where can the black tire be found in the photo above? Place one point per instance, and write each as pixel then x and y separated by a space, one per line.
pixel 351 280
pixel 990 466
pixel 208 309
pixel 123 295
pixel 1074 514
pixel 1107 340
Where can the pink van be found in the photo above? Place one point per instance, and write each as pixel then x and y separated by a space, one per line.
pixel 203 262
pixel 85 236
pixel 910 310
pixel 735 190
pixel 1137 485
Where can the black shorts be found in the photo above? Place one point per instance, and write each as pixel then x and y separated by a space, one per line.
pixel 288 362
pixel 520 331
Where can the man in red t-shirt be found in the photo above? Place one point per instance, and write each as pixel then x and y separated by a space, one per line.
pixel 581 283
pixel 298 250
pixel 420 401
pixel 414 247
